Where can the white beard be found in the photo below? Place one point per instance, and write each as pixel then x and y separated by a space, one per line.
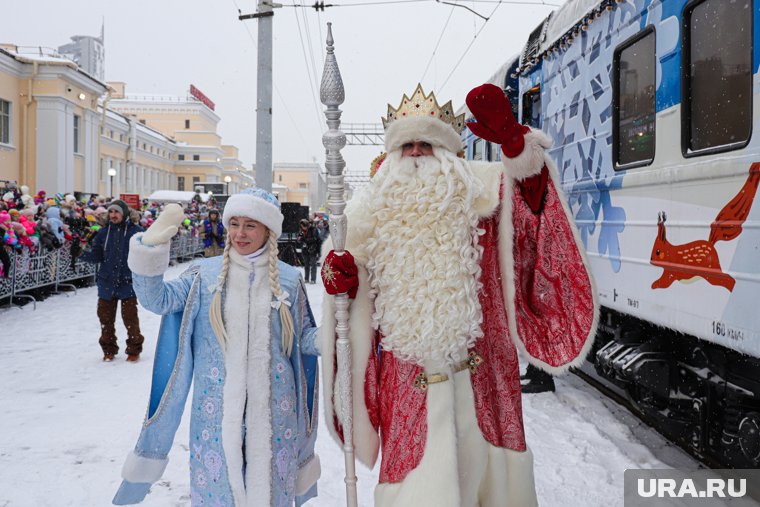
pixel 424 258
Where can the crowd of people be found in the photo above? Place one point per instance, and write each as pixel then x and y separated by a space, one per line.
pixel 48 222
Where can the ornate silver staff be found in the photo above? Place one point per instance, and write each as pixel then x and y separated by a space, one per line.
pixel 332 95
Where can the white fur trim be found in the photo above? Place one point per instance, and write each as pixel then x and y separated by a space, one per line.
pixel 235 313
pixel 247 387
pixel 435 481
pixel 459 467
pixel 246 205
pixel 530 161
pixel 506 262
pixel 420 128
pixel 143 470
pixel 147 260
pixel 308 475
pixel 366 439
pixel 258 439
pixel 489 173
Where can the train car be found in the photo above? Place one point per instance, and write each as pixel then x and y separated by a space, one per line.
pixel 651 105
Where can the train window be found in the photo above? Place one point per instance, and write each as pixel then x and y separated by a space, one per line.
pixel 634 101
pixel 717 67
pixel 477 149
pixel 531 107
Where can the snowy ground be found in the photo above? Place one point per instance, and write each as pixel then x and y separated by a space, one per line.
pixel 70 419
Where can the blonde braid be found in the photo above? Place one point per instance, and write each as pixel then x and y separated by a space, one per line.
pixel 286 320
pixel 215 312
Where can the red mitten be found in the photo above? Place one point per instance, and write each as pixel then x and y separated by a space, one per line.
pixel 340 274
pixel 492 109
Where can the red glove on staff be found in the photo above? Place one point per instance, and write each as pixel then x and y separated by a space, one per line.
pixel 340 274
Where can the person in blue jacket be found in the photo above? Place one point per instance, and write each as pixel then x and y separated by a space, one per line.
pixel 110 249
pixel 213 234
pixel 239 328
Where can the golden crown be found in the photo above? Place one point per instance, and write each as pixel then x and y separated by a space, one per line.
pixel 421 105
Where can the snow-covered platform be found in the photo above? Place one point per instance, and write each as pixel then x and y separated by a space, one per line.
pixel 69 420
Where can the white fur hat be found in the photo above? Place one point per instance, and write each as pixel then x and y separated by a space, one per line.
pixel 256 204
pixel 431 130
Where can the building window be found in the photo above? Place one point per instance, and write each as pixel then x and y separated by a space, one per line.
pixel 144 147
pixel 531 107
pixel 634 101
pixel 181 156
pixel 180 183
pixel 102 170
pixel 280 178
pixel 302 185
pixel 717 67
pixel 121 137
pixel 196 157
pixel 187 124
pixel 5 122
pixel 196 180
pixel 77 124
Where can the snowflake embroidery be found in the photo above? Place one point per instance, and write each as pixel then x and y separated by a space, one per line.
pixel 213 463
pixel 328 275
pixel 200 479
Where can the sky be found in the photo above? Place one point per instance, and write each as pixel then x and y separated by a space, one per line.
pixel 162 46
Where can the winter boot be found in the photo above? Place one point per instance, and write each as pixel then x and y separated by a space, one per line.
pixel 133 358
pixel 536 380
pixel 108 357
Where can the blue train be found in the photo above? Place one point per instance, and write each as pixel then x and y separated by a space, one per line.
pixel 652 106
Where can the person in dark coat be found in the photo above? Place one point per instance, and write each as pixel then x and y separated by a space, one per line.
pixel 110 249
pixel 213 234
pixel 311 245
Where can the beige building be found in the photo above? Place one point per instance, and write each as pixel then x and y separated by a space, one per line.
pixel 48 121
pixel 61 130
pixel 190 123
pixel 303 183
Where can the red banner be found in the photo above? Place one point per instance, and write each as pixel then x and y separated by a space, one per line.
pixel 132 200
pixel 195 92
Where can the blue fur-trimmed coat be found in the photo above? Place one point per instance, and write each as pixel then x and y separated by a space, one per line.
pixel 189 351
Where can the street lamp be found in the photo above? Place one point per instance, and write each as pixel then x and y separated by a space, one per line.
pixel 111 173
pixel 227 180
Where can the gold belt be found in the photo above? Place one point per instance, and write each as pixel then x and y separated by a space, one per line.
pixel 422 380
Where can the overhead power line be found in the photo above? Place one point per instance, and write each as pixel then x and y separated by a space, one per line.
pixel 321 6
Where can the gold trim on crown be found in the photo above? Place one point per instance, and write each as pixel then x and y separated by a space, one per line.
pixel 421 105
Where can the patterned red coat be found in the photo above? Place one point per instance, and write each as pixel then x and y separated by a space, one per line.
pixel 537 296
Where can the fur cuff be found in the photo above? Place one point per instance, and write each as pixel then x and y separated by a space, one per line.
pixel 147 260
pixel 531 160
pixel 432 130
pixel 308 475
pixel 145 470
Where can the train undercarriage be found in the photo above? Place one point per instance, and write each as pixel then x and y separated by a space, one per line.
pixel 702 396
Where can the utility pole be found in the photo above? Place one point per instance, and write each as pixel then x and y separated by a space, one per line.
pixel 263 94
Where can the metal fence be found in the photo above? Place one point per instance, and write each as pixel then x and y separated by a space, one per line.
pixel 54 269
